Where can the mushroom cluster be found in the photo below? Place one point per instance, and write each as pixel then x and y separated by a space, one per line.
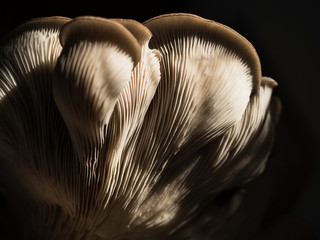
pixel 113 129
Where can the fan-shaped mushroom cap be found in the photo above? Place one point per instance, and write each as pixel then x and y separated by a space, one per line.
pixel 208 72
pixel 95 65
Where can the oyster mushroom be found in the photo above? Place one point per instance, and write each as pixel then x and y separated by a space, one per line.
pixel 112 129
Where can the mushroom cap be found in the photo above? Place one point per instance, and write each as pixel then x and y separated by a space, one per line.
pixel 96 29
pixel 168 26
pixel 205 82
pixel 95 65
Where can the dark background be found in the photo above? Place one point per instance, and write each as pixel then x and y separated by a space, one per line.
pixel 286 37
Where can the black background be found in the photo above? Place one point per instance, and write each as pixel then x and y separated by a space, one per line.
pixel 286 37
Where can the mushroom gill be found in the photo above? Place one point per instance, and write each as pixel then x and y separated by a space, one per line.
pixel 112 129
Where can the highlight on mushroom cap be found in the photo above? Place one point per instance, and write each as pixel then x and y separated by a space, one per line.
pixel 113 129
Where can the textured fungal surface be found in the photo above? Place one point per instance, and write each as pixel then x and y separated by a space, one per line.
pixel 114 129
